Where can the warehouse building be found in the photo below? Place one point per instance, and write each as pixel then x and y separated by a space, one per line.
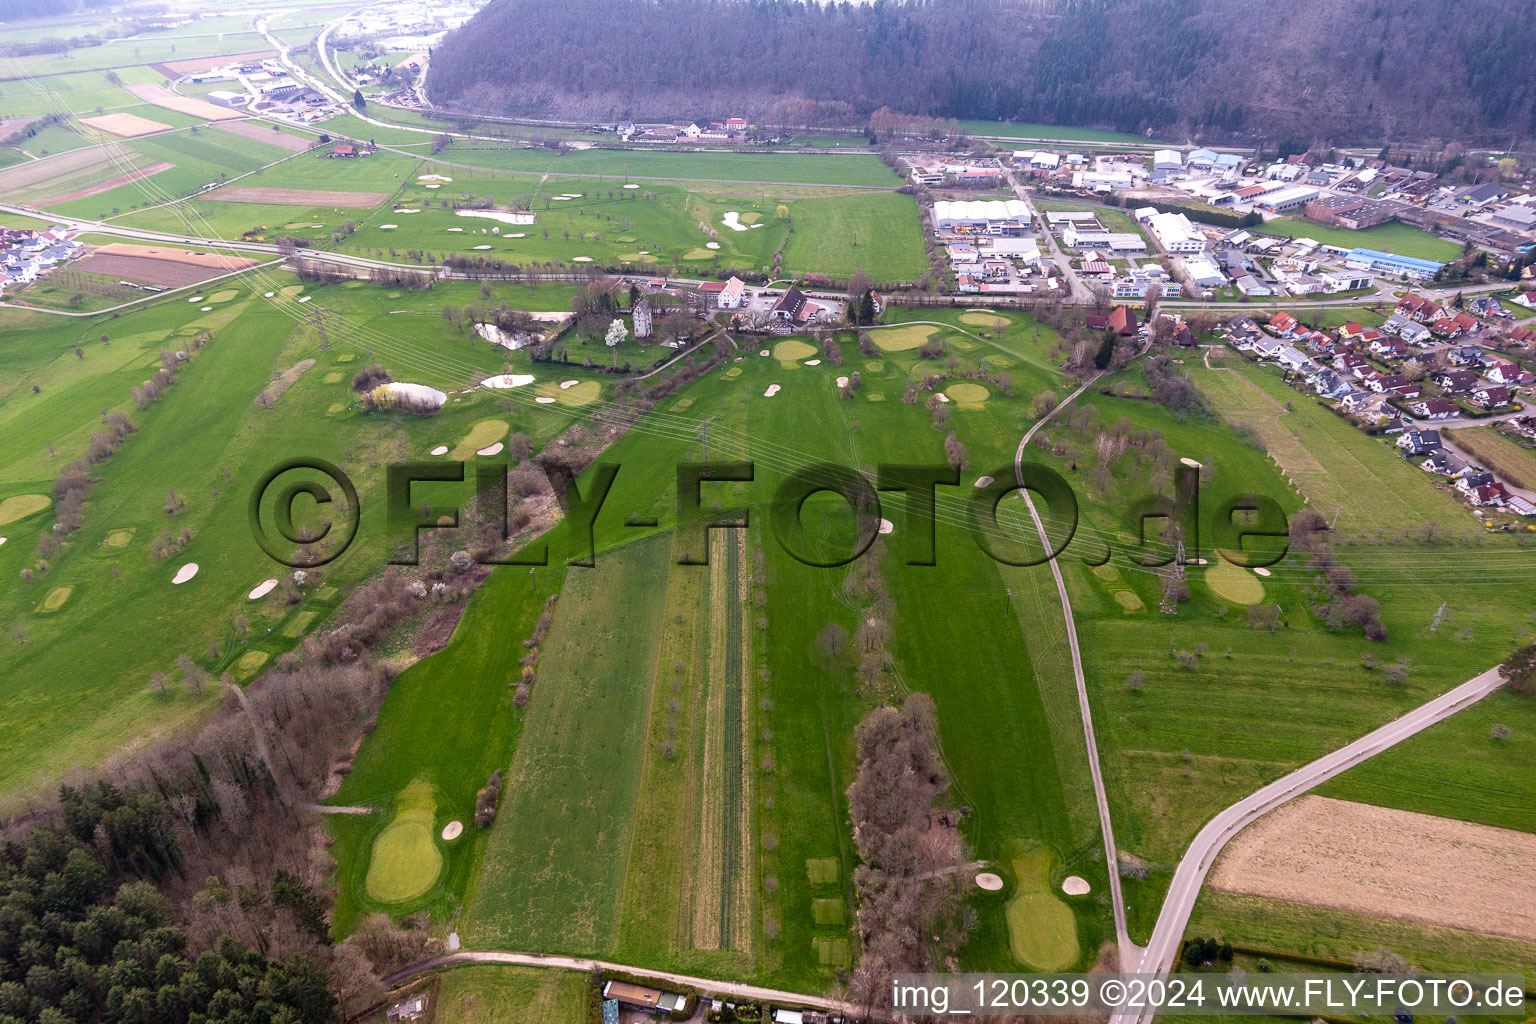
pixel 1286 199
pixel 1175 232
pixel 1007 217
pixel 1391 263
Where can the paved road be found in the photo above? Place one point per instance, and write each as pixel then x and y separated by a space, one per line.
pixel 1130 953
pixel 1080 292
pixel 1192 869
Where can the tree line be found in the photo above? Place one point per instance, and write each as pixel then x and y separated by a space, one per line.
pixel 1316 70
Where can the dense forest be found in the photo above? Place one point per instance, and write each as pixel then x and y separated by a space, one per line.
pixel 1318 69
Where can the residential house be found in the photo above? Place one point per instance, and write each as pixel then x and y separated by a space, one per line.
pixel 1329 384
pixel 1420 442
pixel 640 997
pixel 1465 355
pixel 1122 320
pixel 794 310
pixel 1445 464
pixel 1435 409
pixel 641 312
pixel 1384 382
pixel 1418 307
pixel 1356 402
pixel 1453 325
pixel 1390 348
pixel 1283 324
pixel 1456 382
pixel 1490 398
pixel 1410 331
pixel 1502 371
pixel 1292 359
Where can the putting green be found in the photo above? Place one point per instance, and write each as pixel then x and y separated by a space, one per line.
pixel 119 538
pixel 1041 929
pixel 982 319
pixel 828 911
pixel 1233 583
pixel 406 860
pixel 731 374
pixel 585 393
pixel 334 377
pixel 968 394
pixel 334 408
pixel 1128 600
pixel 55 600
pixel 790 351
pixel 481 435
pixel 822 870
pixel 223 295
pixel 682 403
pixel 248 663
pixel 901 339
pixel 874 366
pixel 632 257
pixel 298 624
pixel 873 396
pixel 347 358
pixel 701 254
pixel 1106 572
pixel 19 506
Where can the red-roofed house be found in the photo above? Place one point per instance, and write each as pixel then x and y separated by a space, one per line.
pixel 1123 321
pixel 1284 323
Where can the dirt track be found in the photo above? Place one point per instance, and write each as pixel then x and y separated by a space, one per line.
pixel 296 196
pixel 1387 863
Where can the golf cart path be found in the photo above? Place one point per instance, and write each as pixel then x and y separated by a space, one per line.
pixel 1130 953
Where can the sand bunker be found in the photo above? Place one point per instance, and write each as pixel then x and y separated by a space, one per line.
pixel 267 295
pixel 505 218
pixel 482 247
pixel 433 177
pixel 432 186
pixel 842 382
pixel 1261 572
pixel 989 881
pixel 196 298
pixel 494 449
pixel 813 362
pixel 983 481
pixel 414 392
pixel 496 336
pixel 262 589
pixel 388 227
pixel 711 245
pixel 732 220
pixel 545 400
pixel 566 384
pixel 1075 885
pixel 1191 463
pixel 773 389
pixel 205 309
pixel 762 352
pixel 452 831
pixel 185 573
pixel 515 234
pixel 943 398
pixel 408 210
pixel 441 449
pixel 305 298
pixel 886 526
pixel 581 259
pixel 508 380
pixel 631 185
pixel 2 540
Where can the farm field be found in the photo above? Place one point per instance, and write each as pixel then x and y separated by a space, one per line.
pixel 1020 130
pixel 1402 239
pixel 1385 863
pixel 1513 461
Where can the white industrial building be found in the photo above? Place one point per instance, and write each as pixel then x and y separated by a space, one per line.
pixel 225 98
pixel 993 217
pixel 1286 199
pixel 1175 232
pixel 1166 164
pixel 1101 181
pixel 1202 271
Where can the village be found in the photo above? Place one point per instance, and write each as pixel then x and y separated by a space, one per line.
pixel 1428 369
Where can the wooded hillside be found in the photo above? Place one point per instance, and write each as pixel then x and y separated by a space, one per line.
pixel 1315 69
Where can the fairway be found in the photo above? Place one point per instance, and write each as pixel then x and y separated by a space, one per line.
pixel 406 860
